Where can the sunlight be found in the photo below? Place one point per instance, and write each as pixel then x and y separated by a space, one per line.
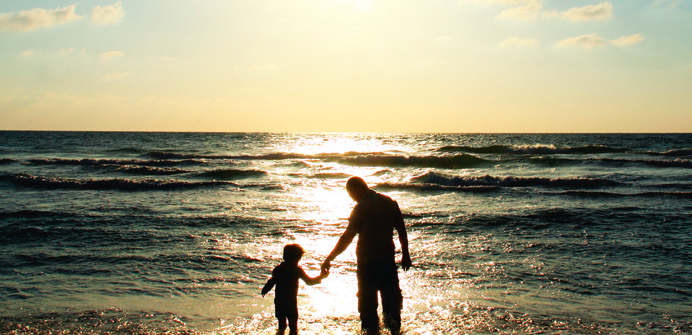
pixel 337 144
pixel 363 5
pixel 327 204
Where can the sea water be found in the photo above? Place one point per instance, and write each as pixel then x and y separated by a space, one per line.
pixel 122 232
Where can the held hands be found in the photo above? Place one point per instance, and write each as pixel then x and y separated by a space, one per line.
pixel 326 265
pixel 324 273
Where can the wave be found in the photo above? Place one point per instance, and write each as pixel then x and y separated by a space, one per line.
pixel 7 161
pixel 230 174
pixel 435 188
pixel 590 194
pixel 533 149
pixel 147 170
pixel 272 156
pixel 324 175
pixel 127 150
pixel 27 180
pixel 111 162
pixel 610 162
pixel 487 180
pixel 681 152
pixel 445 162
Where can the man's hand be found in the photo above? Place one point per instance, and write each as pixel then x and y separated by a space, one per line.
pixel 405 262
pixel 326 266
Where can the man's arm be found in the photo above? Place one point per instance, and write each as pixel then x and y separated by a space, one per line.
pixel 344 241
pixel 400 227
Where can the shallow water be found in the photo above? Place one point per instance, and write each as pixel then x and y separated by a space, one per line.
pixel 155 232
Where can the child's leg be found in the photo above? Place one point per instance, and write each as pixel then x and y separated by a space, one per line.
pixel 293 325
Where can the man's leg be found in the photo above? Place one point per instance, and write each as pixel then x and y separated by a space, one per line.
pixel 367 298
pixel 392 300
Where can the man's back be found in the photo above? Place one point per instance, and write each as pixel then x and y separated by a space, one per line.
pixel 373 219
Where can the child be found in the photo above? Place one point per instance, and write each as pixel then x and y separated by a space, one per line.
pixel 285 276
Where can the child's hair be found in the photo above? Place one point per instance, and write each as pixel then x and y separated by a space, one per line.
pixel 293 252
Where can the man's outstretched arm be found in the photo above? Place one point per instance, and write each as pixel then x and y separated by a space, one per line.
pixel 344 241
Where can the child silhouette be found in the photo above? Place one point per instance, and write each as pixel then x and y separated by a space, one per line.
pixel 285 276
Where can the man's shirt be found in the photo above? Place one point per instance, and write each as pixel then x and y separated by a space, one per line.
pixel 373 219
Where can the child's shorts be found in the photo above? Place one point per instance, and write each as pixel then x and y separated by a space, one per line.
pixel 286 310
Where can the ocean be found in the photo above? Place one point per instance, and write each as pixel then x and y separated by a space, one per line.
pixel 146 233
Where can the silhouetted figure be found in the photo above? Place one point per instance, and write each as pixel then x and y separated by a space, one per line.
pixel 374 219
pixel 285 276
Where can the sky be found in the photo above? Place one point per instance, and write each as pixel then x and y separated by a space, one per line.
pixel 403 66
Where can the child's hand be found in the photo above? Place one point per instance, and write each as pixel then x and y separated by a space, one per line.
pixel 324 273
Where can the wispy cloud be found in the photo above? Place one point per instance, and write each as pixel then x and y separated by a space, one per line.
pixel 628 40
pixel 108 14
pixel 28 53
pixel 533 9
pixel 528 10
pixel 37 18
pixel 516 41
pixel 601 11
pixel 108 55
pixel 588 41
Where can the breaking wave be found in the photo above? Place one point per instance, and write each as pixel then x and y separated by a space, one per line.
pixel 27 180
pixel 533 149
pixel 511 181
pixel 444 162
pixel 113 162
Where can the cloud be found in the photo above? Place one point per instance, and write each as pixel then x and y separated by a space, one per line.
pixel 117 76
pixel 37 18
pixel 529 11
pixel 601 11
pixel 112 54
pixel 65 51
pixel 588 41
pixel 108 14
pixel 28 53
pixel 516 41
pixel 628 40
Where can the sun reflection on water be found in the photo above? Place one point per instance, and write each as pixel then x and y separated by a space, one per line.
pixel 337 144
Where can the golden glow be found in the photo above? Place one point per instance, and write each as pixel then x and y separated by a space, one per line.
pixel 337 144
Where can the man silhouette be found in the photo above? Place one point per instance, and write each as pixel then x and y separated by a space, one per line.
pixel 374 219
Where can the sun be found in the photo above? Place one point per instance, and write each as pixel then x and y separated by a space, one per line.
pixel 363 5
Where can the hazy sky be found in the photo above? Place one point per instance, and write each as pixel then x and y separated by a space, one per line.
pixel 347 65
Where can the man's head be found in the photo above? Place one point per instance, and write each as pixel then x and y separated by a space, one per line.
pixel 356 187
pixel 293 253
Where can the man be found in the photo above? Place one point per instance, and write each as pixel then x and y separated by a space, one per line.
pixel 374 219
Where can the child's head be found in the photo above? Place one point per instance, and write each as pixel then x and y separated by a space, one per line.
pixel 293 253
